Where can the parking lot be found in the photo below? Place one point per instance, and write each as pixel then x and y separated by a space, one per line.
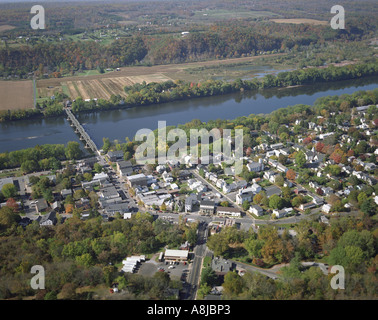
pixel 177 271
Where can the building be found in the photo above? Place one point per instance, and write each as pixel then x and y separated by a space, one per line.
pixel 138 179
pixel 115 155
pixel 190 201
pixel 243 196
pixel 207 207
pixel 326 208
pixel 227 211
pixel 124 168
pixel 256 210
pixel 48 219
pixel 176 255
pixel 281 213
pixel 256 166
pixel 221 266
pixel 41 205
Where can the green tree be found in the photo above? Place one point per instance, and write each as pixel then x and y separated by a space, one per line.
pixel 300 159
pixel 73 151
pixel 9 190
pixel 276 202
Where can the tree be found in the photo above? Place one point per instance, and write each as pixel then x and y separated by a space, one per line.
pixel 257 199
pixel 300 159
pixel 290 174
pixel 97 168
pixel 245 205
pixel 233 284
pixel 8 217
pixel 361 198
pixel 73 151
pixel 275 202
pixel 368 207
pixel 208 276
pixel 9 190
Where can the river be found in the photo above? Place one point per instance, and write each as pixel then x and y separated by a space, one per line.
pixel 122 123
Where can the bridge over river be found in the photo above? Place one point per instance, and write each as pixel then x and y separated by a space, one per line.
pixel 89 144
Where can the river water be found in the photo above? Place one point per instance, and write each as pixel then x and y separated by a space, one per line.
pixel 119 124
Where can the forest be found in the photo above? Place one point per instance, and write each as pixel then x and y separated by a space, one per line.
pixel 156 44
pixel 78 254
pixel 348 241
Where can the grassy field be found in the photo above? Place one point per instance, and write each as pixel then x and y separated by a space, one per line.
pixel 16 95
pixel 96 85
pixel 299 21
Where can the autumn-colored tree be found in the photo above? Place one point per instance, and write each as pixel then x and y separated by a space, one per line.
pixel 290 174
pixel 11 203
pixel 319 146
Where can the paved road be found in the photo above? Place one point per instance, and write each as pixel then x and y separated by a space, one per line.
pixel 196 266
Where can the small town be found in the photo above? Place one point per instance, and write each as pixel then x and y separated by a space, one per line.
pixel 283 183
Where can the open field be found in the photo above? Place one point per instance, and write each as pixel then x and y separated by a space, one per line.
pixel 6 27
pixel 16 95
pixel 102 86
pixel 299 21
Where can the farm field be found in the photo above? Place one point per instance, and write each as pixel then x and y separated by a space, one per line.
pixel 102 86
pixel 16 95
pixel 299 21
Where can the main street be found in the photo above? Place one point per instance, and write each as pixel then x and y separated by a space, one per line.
pixel 196 266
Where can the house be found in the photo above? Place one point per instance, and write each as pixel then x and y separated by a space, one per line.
pixel 276 146
pixel 255 188
pixel 41 205
pixel 221 266
pixel 256 210
pixel 207 207
pixel 48 219
pixel 326 208
pixel 270 175
pixel 324 219
pixel 280 167
pixel 227 211
pixel 305 206
pixel 242 196
pixel 167 177
pixel 115 155
pixel 281 213
pixel 271 190
pixel 66 192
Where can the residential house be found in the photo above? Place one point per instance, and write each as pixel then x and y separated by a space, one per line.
pixel 242 196
pixel 221 266
pixel 256 210
pixel 326 208
pixel 48 219
pixel 41 205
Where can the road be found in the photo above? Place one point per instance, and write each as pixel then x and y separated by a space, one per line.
pixel 196 266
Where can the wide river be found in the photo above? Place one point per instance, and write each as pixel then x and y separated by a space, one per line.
pixel 119 124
